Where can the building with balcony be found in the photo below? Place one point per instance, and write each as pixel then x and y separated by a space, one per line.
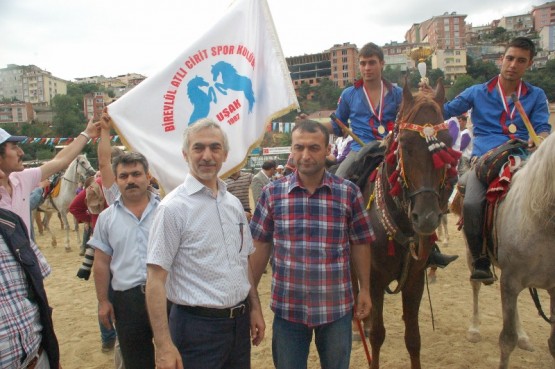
pixel 543 15
pixel 338 64
pixel 30 84
pixel 16 112
pixel 451 61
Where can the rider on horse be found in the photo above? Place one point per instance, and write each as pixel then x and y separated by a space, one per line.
pixel 495 122
pixel 371 107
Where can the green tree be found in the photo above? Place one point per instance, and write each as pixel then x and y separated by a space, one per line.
pixel 460 85
pixel 304 91
pixel 327 94
pixel 434 75
pixel 480 70
pixel 68 118
pixel 393 74
pixel 543 78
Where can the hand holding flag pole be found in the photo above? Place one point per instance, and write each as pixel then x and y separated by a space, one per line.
pixel 533 135
pixel 346 129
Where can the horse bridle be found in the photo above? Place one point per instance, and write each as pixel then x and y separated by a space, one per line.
pixel 429 132
pixel 82 165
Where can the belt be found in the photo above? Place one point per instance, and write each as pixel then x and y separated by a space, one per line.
pixel 33 363
pixel 230 313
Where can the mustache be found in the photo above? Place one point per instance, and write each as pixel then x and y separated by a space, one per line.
pixel 208 162
pixel 130 186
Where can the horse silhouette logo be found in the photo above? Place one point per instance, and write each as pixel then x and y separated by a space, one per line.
pixel 199 98
pixel 231 80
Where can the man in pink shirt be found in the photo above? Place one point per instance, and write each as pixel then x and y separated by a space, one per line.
pixel 16 187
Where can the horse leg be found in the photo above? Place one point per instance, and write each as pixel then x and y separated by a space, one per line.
pixel 412 295
pixel 66 223
pixel 551 340
pixel 445 239
pixel 432 278
pixel 38 221
pixel 473 332
pixel 62 224
pixel 375 321
pixel 508 337
pixel 46 225
pixel 523 339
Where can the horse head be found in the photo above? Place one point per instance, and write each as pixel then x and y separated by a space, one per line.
pixel 420 159
pixel 83 167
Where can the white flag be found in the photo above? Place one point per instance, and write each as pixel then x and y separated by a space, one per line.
pixel 235 74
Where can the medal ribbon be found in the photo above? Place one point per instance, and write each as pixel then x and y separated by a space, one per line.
pixel 507 112
pixel 377 113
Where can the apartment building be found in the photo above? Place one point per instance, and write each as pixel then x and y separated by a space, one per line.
pixel 547 37
pixel 94 103
pixel 543 15
pixel 515 23
pixel 16 112
pixel 339 64
pixel 30 84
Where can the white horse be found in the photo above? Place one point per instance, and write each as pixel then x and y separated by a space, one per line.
pixel 78 170
pixel 525 230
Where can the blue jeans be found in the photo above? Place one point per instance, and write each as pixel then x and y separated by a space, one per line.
pixel 107 335
pixel 291 343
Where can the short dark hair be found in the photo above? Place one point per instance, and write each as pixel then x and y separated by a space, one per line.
pixel 371 49
pixel 523 43
pixel 128 158
pixel 3 149
pixel 312 126
pixel 269 164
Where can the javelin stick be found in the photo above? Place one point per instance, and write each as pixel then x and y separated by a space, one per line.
pixel 346 129
pixel 526 121
pixel 363 338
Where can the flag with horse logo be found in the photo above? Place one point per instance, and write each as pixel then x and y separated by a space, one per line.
pixel 235 74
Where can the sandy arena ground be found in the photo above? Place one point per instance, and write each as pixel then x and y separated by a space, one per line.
pixel 74 304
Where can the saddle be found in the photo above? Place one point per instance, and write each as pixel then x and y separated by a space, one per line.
pixel 495 169
pixel 366 161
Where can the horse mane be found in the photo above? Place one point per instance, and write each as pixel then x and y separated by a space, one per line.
pixel 409 109
pixel 535 183
pixel 223 65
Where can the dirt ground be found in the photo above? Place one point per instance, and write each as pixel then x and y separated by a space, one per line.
pixel 74 304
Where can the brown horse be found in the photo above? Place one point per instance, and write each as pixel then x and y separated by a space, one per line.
pixel 407 198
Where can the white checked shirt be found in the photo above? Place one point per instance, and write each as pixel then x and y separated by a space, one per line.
pixel 197 238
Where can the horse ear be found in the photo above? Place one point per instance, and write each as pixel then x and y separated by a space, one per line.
pixel 407 95
pixel 440 92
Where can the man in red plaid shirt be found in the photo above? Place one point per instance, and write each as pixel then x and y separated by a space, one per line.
pixel 316 221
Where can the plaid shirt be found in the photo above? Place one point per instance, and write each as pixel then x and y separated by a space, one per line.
pixel 311 281
pixel 20 325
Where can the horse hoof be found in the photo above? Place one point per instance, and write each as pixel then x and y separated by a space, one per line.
pixel 473 335
pixel 68 249
pixel 524 344
pixel 54 243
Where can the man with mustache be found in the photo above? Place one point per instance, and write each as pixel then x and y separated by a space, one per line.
pixel 315 222
pixel 120 242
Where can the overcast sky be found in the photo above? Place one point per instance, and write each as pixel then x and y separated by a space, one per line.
pixel 76 38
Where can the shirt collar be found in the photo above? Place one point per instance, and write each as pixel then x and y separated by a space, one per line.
pixel 295 181
pixel 152 198
pixel 192 185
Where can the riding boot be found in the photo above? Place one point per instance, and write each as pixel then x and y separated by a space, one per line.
pixel 438 259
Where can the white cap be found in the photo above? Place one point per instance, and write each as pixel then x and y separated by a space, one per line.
pixel 6 137
pixel 280 167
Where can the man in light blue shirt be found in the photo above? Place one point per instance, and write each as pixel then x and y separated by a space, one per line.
pixel 120 242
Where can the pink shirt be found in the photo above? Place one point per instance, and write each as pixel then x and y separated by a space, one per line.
pixel 22 184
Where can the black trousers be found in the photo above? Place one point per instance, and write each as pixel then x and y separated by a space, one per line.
pixel 211 343
pixel 133 327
